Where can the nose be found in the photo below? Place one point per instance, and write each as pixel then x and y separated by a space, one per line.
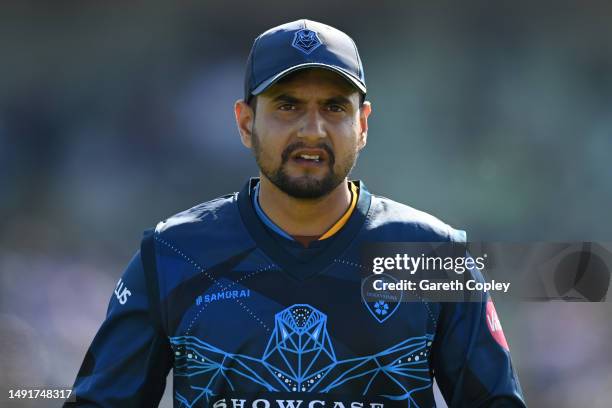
pixel 312 125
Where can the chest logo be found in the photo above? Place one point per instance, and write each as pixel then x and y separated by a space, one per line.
pixel 381 304
pixel 300 357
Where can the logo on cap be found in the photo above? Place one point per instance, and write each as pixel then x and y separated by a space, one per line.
pixel 306 41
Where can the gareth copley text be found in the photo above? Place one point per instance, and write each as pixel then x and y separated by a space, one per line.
pixel 455 285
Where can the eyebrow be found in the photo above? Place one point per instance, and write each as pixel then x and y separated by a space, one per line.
pixel 334 100
pixel 286 98
pixel 338 100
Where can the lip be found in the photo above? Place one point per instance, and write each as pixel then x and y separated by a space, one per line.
pixel 308 163
pixel 323 157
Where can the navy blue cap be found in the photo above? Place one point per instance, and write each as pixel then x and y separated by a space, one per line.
pixel 298 45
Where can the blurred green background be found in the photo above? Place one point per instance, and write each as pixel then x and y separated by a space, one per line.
pixel 494 116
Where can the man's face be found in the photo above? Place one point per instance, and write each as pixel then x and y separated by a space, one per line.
pixel 307 132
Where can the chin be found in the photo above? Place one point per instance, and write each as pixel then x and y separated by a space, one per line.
pixel 308 187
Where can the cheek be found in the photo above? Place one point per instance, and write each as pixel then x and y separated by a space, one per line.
pixel 268 146
pixel 346 152
pixel 349 136
pixel 358 136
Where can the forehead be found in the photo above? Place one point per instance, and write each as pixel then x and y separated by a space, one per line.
pixel 323 80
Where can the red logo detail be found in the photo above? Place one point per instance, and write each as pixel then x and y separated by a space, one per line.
pixel 495 326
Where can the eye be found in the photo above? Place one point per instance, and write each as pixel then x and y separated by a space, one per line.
pixel 287 107
pixel 335 108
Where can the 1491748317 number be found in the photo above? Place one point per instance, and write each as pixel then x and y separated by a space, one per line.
pixel 40 393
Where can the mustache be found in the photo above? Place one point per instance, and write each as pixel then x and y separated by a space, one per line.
pixel 301 145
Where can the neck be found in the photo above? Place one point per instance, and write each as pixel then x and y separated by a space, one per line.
pixel 303 216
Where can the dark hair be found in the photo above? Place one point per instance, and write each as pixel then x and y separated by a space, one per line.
pixel 252 102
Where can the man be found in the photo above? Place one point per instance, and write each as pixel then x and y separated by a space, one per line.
pixel 254 298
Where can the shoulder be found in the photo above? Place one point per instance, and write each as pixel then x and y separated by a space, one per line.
pixel 200 237
pixel 387 215
pixel 206 215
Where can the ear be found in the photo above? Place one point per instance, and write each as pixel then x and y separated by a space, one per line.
pixel 364 113
pixel 245 118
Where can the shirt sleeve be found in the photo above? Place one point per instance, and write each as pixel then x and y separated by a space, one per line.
pixel 129 359
pixel 471 358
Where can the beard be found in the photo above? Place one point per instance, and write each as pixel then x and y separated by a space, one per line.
pixel 306 186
